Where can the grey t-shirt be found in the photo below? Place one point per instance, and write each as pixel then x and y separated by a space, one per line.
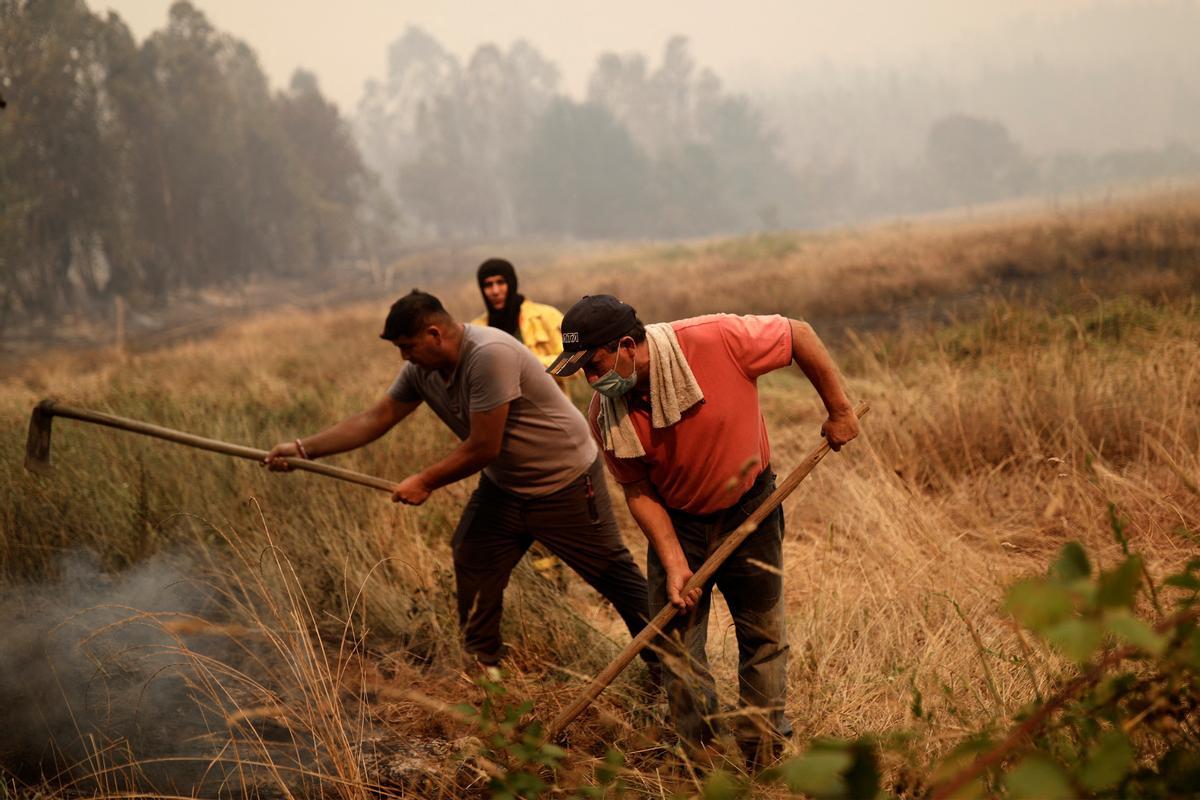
pixel 546 440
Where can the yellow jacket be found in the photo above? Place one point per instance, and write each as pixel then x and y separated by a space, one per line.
pixel 541 330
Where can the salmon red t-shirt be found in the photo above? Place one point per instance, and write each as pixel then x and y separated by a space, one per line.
pixel 699 464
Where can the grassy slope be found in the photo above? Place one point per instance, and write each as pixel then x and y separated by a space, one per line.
pixel 1071 381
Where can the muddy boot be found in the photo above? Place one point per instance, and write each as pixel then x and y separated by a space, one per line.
pixel 760 753
pixel 701 760
pixel 651 684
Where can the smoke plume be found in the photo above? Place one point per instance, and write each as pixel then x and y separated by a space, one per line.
pixel 96 692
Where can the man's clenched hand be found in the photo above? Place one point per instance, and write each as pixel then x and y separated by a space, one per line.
pixel 274 459
pixel 411 491
pixel 840 428
pixel 676 580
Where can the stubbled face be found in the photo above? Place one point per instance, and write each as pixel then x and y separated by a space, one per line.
pixel 495 290
pixel 603 361
pixel 423 348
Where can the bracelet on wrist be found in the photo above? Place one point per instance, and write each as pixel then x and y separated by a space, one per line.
pixel 303 453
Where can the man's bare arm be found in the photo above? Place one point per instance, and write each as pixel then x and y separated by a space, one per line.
pixel 809 353
pixel 351 433
pixel 480 448
pixel 651 515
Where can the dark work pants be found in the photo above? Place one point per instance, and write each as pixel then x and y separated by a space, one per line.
pixel 496 529
pixel 751 581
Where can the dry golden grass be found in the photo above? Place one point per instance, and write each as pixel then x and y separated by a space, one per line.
pixel 874 277
pixel 992 441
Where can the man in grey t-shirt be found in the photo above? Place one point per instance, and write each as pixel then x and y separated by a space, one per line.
pixel 542 479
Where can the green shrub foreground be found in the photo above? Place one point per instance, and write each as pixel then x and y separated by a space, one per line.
pixel 1122 723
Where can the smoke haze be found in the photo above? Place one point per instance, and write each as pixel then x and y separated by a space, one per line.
pixel 346 44
pixel 89 678
pixel 189 164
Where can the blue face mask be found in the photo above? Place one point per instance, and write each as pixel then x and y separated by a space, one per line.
pixel 612 385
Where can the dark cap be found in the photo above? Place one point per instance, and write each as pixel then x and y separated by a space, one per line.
pixel 596 320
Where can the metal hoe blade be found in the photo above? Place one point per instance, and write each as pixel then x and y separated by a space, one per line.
pixel 37 446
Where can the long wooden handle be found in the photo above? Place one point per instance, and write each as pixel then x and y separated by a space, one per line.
pixel 191 440
pixel 699 578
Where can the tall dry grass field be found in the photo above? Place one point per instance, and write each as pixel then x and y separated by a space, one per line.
pixel 1028 379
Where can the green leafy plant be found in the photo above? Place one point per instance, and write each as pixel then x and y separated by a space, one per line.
pixel 832 769
pixel 517 754
pixel 1124 721
pixel 1127 723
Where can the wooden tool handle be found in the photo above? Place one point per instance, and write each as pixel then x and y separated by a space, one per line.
pixel 699 578
pixel 56 409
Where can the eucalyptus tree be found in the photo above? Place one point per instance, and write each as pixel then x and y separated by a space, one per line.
pixel 56 174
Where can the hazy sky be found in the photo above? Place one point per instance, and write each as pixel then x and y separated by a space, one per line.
pixel 345 42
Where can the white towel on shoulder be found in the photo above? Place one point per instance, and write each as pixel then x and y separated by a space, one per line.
pixel 673 390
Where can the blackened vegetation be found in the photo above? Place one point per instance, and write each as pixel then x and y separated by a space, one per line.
pixel 99 692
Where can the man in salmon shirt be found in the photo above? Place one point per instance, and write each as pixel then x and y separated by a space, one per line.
pixel 677 416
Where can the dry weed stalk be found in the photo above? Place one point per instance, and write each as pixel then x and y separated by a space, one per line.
pixel 1003 434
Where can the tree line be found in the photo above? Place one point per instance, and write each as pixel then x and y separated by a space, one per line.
pixel 494 148
pixel 142 169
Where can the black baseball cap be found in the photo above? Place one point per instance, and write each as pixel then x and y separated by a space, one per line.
pixel 593 322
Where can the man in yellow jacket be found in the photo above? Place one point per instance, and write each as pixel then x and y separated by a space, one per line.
pixel 539 328
pixel 536 325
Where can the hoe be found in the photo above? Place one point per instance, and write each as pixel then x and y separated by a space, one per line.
pixel 37 459
pixel 701 576
pixel 37 447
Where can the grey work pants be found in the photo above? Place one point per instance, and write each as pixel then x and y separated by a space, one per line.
pixel 576 524
pixel 755 598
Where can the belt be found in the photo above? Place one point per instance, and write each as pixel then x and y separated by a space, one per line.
pixel 758 487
